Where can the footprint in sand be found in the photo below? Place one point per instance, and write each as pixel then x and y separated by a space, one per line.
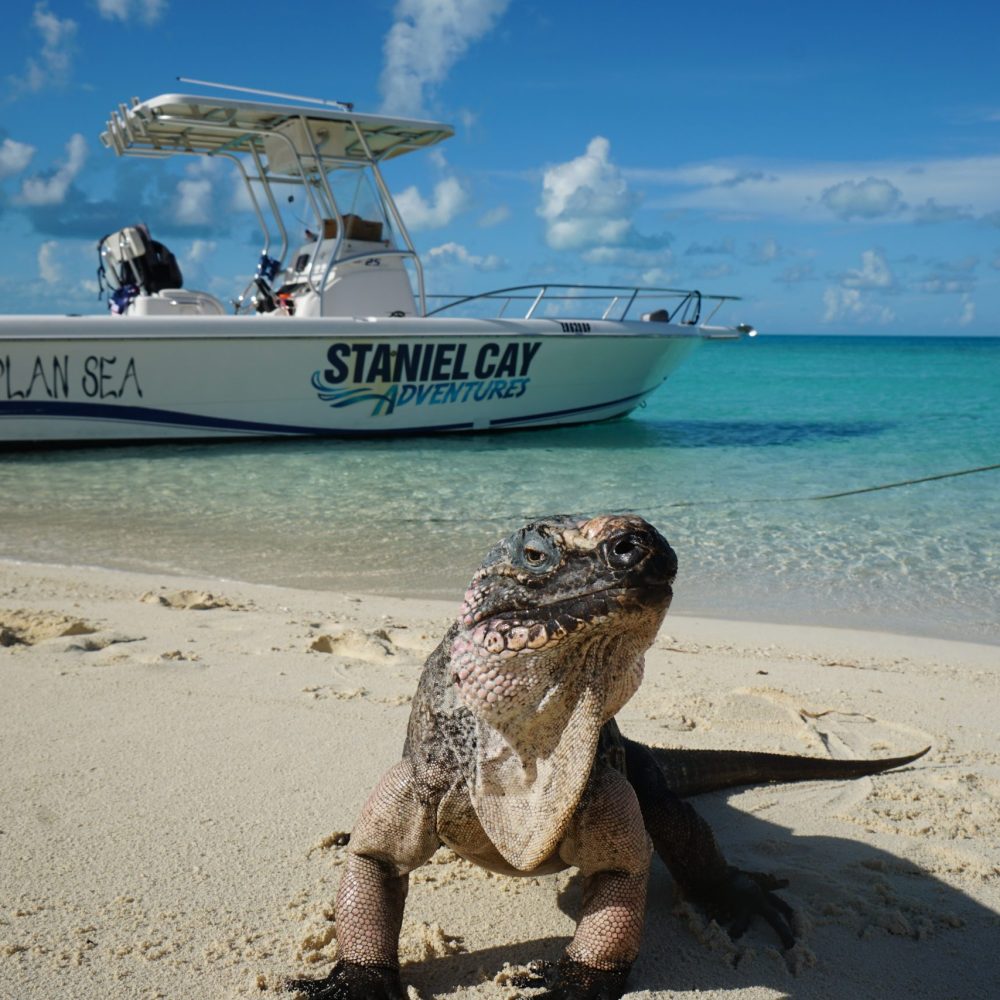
pixel 353 644
pixel 190 600
pixel 837 731
pixel 56 632
pixel 26 628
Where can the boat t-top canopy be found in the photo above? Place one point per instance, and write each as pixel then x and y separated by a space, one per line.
pixel 288 136
pixel 303 145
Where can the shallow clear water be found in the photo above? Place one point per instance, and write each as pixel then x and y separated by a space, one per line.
pixel 723 460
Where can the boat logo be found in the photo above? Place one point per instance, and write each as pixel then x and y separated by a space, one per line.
pixel 428 373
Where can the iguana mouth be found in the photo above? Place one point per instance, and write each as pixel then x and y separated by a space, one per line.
pixel 509 632
pixel 566 605
pixel 583 608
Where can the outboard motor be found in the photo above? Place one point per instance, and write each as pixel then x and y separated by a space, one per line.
pixel 134 263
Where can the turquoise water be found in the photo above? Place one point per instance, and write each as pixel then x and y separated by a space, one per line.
pixel 722 459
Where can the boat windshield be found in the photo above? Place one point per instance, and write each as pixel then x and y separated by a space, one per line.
pixel 353 192
pixel 356 193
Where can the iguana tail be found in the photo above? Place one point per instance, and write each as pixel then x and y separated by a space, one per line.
pixel 691 772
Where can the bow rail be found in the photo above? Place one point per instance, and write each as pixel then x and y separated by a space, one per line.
pixel 685 305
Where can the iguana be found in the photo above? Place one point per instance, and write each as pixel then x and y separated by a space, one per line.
pixel 513 760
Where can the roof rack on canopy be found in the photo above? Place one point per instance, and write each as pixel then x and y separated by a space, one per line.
pixel 181 123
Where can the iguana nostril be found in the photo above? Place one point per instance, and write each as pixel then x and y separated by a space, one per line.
pixel 627 551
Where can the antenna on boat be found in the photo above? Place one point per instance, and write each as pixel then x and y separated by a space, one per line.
pixel 343 105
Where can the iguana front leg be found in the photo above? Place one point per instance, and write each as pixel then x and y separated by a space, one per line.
pixel 687 846
pixel 608 843
pixel 395 834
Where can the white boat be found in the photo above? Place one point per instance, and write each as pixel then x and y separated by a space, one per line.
pixel 333 336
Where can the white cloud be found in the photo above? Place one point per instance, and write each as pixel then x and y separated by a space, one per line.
pixel 199 251
pixel 940 285
pixel 55 32
pixel 867 199
pixel 930 212
pixel 48 266
pixel 467 119
pixel 968 314
pixel 239 198
pixel 456 253
pixel 448 200
pixel 494 216
pixel 951 277
pixel 657 276
pixel 426 40
pixel 114 10
pixel 52 64
pixel 194 201
pixel 874 273
pixel 722 247
pixel 632 257
pixel 849 305
pixel 14 157
pixel 51 189
pixel 437 156
pixel 148 11
pixel 964 266
pixel 586 201
pixel 713 272
pixel 927 190
pixel 764 252
pixel 796 273
pixel 697 175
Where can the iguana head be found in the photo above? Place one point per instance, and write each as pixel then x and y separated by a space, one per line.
pixel 562 597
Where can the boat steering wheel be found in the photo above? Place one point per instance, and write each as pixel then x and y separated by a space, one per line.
pixel 267 301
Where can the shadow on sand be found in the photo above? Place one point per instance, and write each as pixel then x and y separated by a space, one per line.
pixel 871 925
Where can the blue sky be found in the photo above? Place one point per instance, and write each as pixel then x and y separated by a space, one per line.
pixel 836 165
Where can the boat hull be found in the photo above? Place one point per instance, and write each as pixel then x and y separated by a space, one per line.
pixel 91 379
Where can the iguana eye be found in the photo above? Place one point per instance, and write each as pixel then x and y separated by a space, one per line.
pixel 537 553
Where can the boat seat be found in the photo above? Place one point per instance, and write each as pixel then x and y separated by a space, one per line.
pixel 176 302
pixel 659 316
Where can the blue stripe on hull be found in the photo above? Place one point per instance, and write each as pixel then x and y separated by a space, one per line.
pixel 174 418
pixel 189 421
pixel 553 414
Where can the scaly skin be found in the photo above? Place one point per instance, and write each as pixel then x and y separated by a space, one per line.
pixel 513 760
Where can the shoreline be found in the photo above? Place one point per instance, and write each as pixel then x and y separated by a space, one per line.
pixel 180 750
pixel 790 622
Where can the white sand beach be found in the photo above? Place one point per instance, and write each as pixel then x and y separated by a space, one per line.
pixel 179 754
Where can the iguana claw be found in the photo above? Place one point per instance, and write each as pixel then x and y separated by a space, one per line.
pixel 350 981
pixel 571 980
pixel 741 896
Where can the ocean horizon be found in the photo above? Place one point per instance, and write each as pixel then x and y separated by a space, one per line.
pixel 832 480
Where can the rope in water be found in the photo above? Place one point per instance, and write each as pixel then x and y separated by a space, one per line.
pixel 904 482
pixel 832 496
pixel 729 502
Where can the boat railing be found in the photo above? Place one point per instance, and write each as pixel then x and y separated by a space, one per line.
pixel 612 302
